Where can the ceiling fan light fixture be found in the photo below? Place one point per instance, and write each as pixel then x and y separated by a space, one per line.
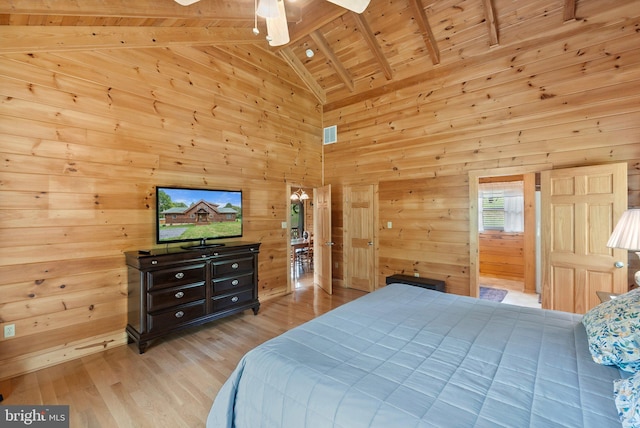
pixel 267 8
pixel 357 6
pixel 186 2
pixel 277 28
pixel 255 30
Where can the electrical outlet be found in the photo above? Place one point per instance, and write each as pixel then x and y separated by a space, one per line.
pixel 9 330
pixel 389 225
pixel 416 274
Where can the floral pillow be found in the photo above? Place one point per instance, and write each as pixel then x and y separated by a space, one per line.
pixel 627 397
pixel 613 331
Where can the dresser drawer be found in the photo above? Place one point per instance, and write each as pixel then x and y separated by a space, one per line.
pixel 234 266
pixel 176 316
pixel 166 298
pixel 231 300
pixel 181 275
pixel 235 282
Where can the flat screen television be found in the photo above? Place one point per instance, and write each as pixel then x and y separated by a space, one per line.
pixel 189 214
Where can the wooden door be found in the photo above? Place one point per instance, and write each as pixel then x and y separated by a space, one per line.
pixel 322 243
pixel 359 237
pixel 580 207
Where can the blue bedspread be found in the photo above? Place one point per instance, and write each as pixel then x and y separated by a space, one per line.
pixel 405 356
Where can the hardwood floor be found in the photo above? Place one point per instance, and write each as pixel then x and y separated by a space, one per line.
pixel 516 295
pixel 174 383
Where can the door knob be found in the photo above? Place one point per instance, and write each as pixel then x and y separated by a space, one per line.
pixel 619 265
pixel 370 243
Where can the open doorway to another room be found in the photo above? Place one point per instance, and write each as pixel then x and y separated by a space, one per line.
pixel 508 232
pixel 301 237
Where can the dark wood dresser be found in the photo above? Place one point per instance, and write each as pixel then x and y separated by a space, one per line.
pixel 177 288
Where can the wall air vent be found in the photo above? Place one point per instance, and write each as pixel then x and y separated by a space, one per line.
pixel 330 134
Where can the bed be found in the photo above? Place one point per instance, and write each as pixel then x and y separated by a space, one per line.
pixel 405 356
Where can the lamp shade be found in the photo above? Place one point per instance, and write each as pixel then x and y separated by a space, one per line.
pixel 626 235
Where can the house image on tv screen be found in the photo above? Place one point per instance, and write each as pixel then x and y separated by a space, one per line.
pixel 202 212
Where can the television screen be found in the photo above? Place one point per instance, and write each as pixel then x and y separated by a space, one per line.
pixel 189 214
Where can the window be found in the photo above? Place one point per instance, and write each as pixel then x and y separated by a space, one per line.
pixel 493 211
pixel 501 206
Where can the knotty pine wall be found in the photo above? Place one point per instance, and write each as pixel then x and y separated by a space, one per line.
pixel 551 94
pixel 85 136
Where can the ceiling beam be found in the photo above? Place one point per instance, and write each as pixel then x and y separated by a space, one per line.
pixel 490 17
pixel 425 29
pixel 299 68
pixel 314 16
pixel 324 47
pixel 205 9
pixel 370 39
pixel 16 39
pixel 569 10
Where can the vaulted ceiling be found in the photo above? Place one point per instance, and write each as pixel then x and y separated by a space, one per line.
pixel 391 42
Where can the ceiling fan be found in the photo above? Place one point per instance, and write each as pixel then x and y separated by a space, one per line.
pixel 275 15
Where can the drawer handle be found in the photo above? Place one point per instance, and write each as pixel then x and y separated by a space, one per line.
pixel 154 262
pixel 235 282
pixel 179 295
pixel 179 314
pixel 234 266
pixel 180 275
pixel 234 299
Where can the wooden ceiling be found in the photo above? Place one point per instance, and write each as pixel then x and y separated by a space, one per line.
pixel 392 41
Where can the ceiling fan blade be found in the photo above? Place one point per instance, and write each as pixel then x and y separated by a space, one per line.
pixel 357 6
pixel 186 2
pixel 277 28
pixel 268 9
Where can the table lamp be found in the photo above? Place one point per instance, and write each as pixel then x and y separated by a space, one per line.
pixel 626 235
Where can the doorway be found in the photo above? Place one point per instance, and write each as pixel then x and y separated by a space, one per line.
pixel 508 238
pixel 301 225
pixel 474 244
pixel 579 207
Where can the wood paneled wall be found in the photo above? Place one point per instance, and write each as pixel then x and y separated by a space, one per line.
pixel 562 97
pixel 85 136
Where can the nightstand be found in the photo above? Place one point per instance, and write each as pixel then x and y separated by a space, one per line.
pixel 605 296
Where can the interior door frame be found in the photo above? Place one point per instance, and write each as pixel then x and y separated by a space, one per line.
pixel 474 181
pixel 288 192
